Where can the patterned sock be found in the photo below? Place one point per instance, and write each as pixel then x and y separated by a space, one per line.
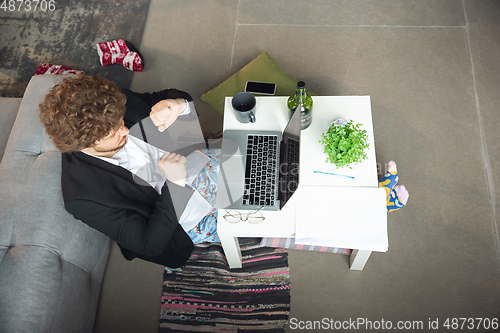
pixel 107 50
pixel 389 180
pixel 120 52
pixel 47 68
pixel 397 195
pixel 394 202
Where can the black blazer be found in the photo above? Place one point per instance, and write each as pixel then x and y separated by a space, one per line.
pixel 105 196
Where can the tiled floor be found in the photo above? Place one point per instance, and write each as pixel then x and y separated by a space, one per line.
pixel 432 71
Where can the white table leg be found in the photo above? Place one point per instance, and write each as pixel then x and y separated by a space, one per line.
pixel 231 248
pixel 359 259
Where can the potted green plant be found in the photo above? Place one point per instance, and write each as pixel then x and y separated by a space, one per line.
pixel 344 143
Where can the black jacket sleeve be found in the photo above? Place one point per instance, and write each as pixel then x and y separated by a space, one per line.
pixel 139 104
pixel 147 236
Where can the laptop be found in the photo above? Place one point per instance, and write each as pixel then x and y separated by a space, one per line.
pixel 259 169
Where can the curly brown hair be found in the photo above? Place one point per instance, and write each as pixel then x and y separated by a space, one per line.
pixel 82 110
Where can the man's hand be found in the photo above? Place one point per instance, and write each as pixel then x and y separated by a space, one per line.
pixel 164 113
pixel 173 167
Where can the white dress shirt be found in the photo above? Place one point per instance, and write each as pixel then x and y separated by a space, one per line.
pixel 141 159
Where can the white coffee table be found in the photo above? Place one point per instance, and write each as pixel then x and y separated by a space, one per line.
pixel 272 114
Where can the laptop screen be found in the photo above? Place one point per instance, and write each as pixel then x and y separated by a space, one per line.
pixel 290 159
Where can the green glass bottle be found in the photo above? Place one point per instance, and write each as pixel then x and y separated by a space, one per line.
pixel 301 96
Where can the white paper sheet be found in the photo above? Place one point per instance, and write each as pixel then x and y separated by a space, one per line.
pixel 353 218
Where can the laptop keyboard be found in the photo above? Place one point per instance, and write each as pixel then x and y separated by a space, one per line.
pixel 261 170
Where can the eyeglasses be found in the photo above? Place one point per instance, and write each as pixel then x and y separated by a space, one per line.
pixel 234 216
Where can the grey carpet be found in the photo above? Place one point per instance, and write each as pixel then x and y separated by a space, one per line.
pixel 66 36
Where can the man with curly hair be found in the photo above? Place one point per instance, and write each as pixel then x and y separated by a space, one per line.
pixel 88 119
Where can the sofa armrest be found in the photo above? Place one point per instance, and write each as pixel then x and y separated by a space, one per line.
pixel 8 113
pixel 51 265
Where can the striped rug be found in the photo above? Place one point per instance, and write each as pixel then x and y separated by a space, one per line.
pixel 207 296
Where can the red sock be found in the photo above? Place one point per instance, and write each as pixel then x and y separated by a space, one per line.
pixel 107 50
pixel 117 52
pixel 130 60
pixel 56 69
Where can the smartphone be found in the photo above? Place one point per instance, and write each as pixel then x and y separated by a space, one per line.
pixel 262 88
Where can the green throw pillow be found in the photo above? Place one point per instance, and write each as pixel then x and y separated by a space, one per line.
pixel 264 69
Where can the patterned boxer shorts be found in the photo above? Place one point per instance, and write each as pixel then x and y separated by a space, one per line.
pixel 206 184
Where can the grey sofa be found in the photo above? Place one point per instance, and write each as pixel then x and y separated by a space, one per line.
pixel 51 265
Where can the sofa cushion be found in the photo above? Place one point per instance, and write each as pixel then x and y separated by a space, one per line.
pixel 51 265
pixel 46 294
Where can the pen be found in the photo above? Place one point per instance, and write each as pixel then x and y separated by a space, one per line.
pixel 334 174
